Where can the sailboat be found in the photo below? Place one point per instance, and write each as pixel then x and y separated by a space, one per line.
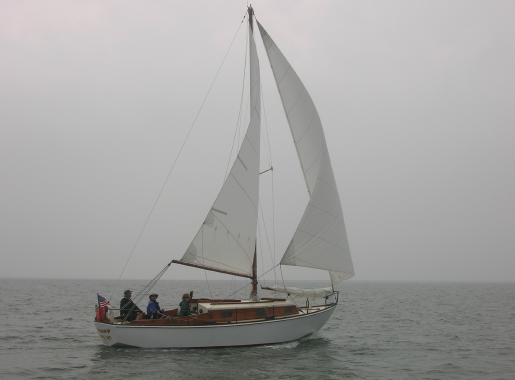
pixel 226 240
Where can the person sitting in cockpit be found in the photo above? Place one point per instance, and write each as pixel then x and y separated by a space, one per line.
pixel 154 311
pixel 184 306
pixel 128 309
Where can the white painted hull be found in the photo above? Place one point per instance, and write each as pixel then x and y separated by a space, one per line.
pixel 227 335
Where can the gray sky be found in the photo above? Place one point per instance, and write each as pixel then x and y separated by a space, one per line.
pixel 416 98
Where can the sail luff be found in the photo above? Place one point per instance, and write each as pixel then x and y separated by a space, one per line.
pixel 226 240
pixel 320 240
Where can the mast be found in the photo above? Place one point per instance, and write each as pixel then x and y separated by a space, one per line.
pixel 251 18
pixel 224 241
pixel 253 293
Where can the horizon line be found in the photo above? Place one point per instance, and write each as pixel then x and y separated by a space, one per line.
pixel 302 280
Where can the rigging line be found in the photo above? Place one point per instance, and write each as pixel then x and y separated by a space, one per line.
pixel 271 165
pixel 281 269
pixel 252 145
pixel 207 282
pixel 205 271
pixel 261 249
pixel 338 218
pixel 266 232
pixel 273 224
pixel 139 296
pixel 284 107
pixel 311 265
pixel 238 122
pixel 242 189
pixel 151 284
pixel 243 287
pixel 272 252
pixel 236 240
pixel 269 151
pixel 317 237
pixel 218 262
pixel 313 163
pixel 310 124
pixel 176 158
pixel 247 108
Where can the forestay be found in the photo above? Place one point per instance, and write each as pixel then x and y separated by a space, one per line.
pixel 227 238
pixel 320 240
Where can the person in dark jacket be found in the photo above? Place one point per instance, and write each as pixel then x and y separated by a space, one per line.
pixel 184 306
pixel 154 311
pixel 127 307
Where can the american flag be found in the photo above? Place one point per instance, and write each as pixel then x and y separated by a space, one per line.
pixel 102 301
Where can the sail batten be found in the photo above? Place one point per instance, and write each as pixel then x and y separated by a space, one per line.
pixel 226 240
pixel 320 240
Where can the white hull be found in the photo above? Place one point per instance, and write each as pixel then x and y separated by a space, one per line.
pixel 227 335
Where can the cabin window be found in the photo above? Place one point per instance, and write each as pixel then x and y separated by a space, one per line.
pixel 288 309
pixel 260 312
pixel 226 314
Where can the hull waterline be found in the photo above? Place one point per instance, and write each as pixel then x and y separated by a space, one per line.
pixel 211 336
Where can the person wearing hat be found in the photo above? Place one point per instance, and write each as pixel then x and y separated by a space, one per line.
pixel 130 308
pixel 184 306
pixel 154 311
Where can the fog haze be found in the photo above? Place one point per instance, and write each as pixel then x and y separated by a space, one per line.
pixel 96 98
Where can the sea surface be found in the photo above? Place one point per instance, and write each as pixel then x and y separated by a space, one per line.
pixel 380 330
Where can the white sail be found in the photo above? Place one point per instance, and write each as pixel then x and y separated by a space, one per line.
pixel 320 240
pixel 227 238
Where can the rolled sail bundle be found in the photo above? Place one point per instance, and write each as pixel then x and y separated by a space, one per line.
pixel 297 293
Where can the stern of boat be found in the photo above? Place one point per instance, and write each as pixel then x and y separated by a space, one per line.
pixel 107 333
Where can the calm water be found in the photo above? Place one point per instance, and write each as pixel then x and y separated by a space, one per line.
pixel 379 331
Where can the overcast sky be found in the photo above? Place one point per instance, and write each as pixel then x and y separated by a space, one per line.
pixel 96 98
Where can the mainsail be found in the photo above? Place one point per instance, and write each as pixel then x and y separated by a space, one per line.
pixel 320 240
pixel 227 238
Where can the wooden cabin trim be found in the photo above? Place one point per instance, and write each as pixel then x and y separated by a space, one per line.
pixel 246 313
pixel 196 322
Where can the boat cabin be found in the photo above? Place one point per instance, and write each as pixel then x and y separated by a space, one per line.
pixel 213 311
